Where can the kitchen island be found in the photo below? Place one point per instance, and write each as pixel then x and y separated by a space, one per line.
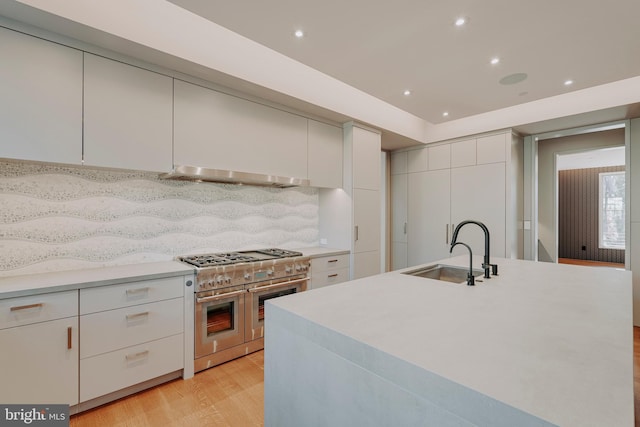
pixel 540 344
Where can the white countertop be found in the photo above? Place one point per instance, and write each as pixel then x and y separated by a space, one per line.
pixel 320 251
pixel 31 284
pixel 554 341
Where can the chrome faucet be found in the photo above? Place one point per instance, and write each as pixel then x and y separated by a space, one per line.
pixel 486 265
pixel 471 281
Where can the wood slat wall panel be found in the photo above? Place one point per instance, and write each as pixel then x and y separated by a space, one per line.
pixel 578 216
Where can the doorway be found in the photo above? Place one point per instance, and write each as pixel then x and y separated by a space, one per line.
pixel 590 206
pixel 545 152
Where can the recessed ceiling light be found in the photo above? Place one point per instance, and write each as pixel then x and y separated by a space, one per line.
pixel 494 61
pixel 445 114
pixel 568 82
pixel 299 34
pixel 407 92
pixel 460 22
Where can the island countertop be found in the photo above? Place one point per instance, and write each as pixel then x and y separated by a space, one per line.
pixel 550 341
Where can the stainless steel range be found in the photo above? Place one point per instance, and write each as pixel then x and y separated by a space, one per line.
pixel 230 292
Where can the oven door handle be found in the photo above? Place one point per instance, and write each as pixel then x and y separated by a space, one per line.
pixel 219 296
pixel 278 285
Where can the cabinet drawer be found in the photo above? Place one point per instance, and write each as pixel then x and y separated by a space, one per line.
pixel 115 329
pixel 127 294
pixel 119 369
pixel 329 263
pixel 37 308
pixel 327 278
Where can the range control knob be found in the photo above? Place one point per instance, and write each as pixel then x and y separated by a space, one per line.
pixel 247 276
pixel 269 272
pixel 287 269
pixel 227 279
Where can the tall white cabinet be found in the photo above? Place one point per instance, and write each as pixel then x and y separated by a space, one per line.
pixel 399 224
pixel 470 179
pixel 362 182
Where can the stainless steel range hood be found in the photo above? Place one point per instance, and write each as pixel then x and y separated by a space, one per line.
pixel 198 174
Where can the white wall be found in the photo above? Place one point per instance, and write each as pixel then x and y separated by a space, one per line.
pixel 633 247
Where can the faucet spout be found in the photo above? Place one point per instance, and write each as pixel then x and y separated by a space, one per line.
pixel 486 265
pixel 470 279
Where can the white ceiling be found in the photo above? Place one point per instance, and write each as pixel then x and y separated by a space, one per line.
pixel 598 158
pixel 358 57
pixel 386 47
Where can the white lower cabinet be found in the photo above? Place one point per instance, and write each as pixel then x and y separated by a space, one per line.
pixel 129 334
pixel 329 270
pixel 115 370
pixel 39 342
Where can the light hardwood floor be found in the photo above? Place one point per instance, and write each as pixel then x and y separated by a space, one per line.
pixel 589 263
pixel 227 395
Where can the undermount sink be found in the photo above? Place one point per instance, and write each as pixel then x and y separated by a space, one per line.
pixel 448 273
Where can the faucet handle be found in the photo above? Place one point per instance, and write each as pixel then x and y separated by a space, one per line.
pixel 494 269
pixel 471 280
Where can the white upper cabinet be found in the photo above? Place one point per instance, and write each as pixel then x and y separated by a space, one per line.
pixel 417 160
pixel 492 149
pixel 439 157
pixel 127 116
pixel 41 99
pixel 215 130
pixel 366 159
pixel 463 153
pixel 325 155
pixel 399 162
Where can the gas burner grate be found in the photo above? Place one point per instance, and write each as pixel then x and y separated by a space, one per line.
pixel 279 253
pixel 226 258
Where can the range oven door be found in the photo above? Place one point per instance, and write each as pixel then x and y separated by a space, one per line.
pixel 257 296
pixel 219 321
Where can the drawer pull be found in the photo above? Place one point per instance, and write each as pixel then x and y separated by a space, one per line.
pixel 25 307
pixel 333 275
pixel 69 336
pixel 136 355
pixel 137 291
pixel 137 315
pixel 333 260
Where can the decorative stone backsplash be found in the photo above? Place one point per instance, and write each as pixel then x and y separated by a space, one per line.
pixel 57 217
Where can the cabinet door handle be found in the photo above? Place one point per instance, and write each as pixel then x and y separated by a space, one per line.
pixel 405 228
pixel 137 291
pixel 333 275
pixel 446 230
pixel 135 316
pixel 333 260
pixel 356 233
pixel 26 307
pixel 69 337
pixel 136 355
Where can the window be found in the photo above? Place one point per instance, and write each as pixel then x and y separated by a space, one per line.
pixel 611 215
